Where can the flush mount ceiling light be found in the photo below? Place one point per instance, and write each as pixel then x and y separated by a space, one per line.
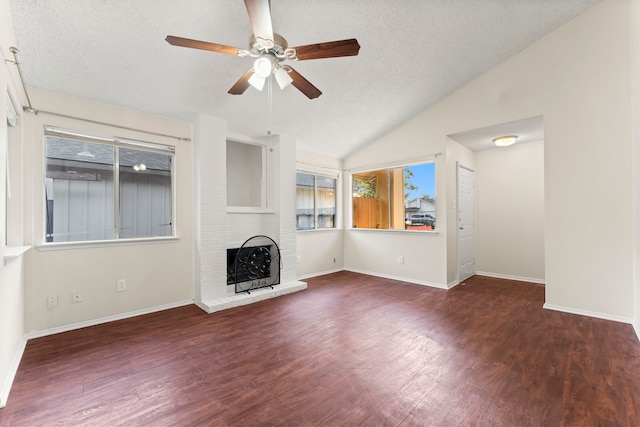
pixel 504 141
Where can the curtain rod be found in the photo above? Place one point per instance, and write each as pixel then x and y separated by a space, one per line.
pixel 397 163
pixel 179 138
pixel 316 166
pixel 15 61
pixel 30 109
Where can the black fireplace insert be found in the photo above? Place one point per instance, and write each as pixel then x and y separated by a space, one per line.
pixel 256 264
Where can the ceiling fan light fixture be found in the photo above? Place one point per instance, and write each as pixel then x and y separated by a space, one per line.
pixel 256 81
pixel 262 67
pixel 282 77
pixel 504 141
pixel 269 49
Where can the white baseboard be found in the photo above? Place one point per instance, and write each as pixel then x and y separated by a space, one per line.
pixel 321 273
pixel 588 313
pixel 506 276
pixel 453 284
pixel 93 322
pixel 11 375
pixel 402 279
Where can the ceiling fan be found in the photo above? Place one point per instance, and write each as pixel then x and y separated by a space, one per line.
pixel 270 50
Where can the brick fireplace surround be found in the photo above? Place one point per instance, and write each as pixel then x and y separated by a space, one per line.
pixel 217 227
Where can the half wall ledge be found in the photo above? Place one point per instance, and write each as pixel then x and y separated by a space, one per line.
pixel 235 300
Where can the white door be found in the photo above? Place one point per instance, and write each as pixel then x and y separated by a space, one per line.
pixel 466 223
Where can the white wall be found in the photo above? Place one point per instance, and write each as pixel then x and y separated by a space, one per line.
pixel 588 155
pixel 510 211
pixel 319 252
pixel 158 274
pixel 377 251
pixel 634 19
pixel 11 324
pixel 578 78
pixel 12 313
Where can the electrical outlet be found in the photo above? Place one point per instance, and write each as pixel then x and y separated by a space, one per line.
pixel 121 285
pixel 299 259
pixel 400 259
pixel 75 297
pixel 52 302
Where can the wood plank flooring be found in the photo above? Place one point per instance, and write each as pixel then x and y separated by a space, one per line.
pixel 350 350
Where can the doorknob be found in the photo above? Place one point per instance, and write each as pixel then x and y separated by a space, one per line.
pixel 461 228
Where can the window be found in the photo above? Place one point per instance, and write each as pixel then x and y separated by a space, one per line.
pixel 315 201
pixel 105 189
pixel 400 198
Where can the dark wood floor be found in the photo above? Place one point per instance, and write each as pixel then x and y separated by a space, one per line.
pixel 350 350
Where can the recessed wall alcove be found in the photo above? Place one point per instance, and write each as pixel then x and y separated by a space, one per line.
pixel 246 174
pixel 223 221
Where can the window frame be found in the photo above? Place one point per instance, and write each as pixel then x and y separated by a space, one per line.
pixel 389 168
pixel 323 174
pixel 116 143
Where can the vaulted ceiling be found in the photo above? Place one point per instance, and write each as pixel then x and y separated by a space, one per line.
pixel 414 53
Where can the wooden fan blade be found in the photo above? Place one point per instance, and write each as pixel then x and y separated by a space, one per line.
pixel 260 16
pixel 349 47
pixel 302 84
pixel 242 84
pixel 197 44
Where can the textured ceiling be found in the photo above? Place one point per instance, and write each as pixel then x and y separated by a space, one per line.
pixel 413 54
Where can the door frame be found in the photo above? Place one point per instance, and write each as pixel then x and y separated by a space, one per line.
pixel 474 213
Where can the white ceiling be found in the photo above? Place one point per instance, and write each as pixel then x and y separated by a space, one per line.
pixel 413 54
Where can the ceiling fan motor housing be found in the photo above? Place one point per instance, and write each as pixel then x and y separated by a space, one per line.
pixel 279 51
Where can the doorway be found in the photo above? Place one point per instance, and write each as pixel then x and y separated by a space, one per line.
pixel 466 222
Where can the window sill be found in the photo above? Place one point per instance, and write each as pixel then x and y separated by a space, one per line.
pixel 378 230
pixel 13 252
pixel 104 243
pixel 248 210
pixel 319 230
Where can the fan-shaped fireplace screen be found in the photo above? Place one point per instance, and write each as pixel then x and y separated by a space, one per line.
pixel 254 265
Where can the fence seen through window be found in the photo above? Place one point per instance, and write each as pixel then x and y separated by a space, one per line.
pixel 315 201
pixel 400 198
